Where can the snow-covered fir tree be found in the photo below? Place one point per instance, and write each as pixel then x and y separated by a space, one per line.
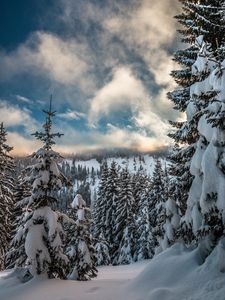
pixel 145 241
pixel 197 18
pixel 205 208
pixel 203 131
pixel 125 222
pixel 99 218
pixel 43 234
pixel 81 249
pixel 157 206
pixel 16 255
pixel 139 183
pixel 102 251
pixel 100 205
pixel 112 194
pixel 172 215
pixel 6 194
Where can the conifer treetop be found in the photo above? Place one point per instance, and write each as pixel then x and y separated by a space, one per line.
pixel 47 137
pixel 4 148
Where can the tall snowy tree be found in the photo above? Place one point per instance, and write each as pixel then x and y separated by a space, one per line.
pixel 198 19
pixel 112 193
pixel 100 205
pixel 145 242
pixel 42 230
pixel 157 206
pixel 99 217
pixel 6 194
pixel 81 249
pixel 205 208
pixel 172 214
pixel 16 255
pixel 102 251
pixel 124 222
pixel 203 132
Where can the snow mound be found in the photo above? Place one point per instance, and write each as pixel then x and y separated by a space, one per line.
pixel 177 274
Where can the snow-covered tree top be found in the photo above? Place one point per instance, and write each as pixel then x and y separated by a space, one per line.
pixel 78 202
pixel 47 137
pixel 4 148
pixel 45 176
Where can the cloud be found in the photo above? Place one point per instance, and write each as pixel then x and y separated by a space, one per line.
pixel 12 115
pixel 114 137
pixel 122 91
pixel 24 99
pixel 22 145
pixel 63 61
pixel 149 30
pixel 72 115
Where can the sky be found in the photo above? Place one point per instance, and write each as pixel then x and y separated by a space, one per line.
pixel 105 62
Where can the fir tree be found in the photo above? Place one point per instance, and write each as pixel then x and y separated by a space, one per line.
pixel 198 18
pixel 81 250
pixel 157 208
pixel 16 256
pixel 203 28
pixel 145 242
pixel 112 193
pixel 100 205
pixel 172 216
pixel 42 231
pixel 6 195
pixel 102 251
pixel 204 206
pixel 124 223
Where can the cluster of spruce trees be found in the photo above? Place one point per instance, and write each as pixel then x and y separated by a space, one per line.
pixel 35 239
pixel 129 213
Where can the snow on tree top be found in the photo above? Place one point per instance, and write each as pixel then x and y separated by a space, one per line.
pixel 78 202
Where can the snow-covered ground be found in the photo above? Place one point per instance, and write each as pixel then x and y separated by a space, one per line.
pixel 108 285
pixel 176 274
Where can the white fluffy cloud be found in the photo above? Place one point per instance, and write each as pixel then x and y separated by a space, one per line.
pixel 114 137
pixel 142 29
pixel 72 115
pixel 22 145
pixel 122 91
pixel 125 90
pixel 12 115
pixel 63 61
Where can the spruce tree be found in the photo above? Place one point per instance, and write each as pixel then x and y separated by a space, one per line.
pixel 145 242
pixel 201 135
pixel 6 194
pixel 112 194
pixel 157 207
pixel 81 249
pixel 124 223
pixel 99 207
pixel 16 256
pixel 102 251
pixel 207 161
pixel 99 218
pixel 172 216
pixel 198 18
pixel 42 231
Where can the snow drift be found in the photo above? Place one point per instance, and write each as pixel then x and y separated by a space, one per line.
pixel 176 274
